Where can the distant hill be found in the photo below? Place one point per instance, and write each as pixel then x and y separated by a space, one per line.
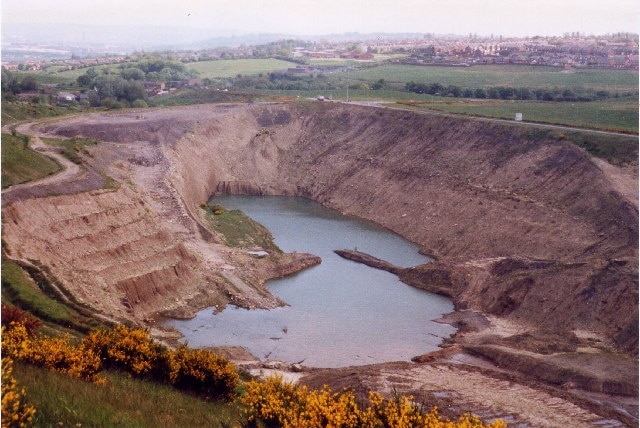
pixel 49 41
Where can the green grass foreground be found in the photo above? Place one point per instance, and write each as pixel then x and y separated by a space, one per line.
pixel 64 401
pixel 21 164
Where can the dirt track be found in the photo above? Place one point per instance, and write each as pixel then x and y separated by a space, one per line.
pixel 519 237
pixel 71 179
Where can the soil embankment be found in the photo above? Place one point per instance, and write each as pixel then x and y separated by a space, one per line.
pixel 531 235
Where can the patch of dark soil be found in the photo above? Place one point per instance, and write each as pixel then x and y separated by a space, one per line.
pixel 91 180
pixel 548 343
pixel 277 116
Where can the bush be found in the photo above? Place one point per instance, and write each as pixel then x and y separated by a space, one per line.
pixel 276 403
pixel 16 412
pixel 53 353
pixel 139 104
pixel 58 354
pixel 131 350
pixel 202 372
pixel 12 314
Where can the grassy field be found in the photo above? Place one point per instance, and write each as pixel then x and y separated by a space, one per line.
pixel 233 67
pixel 613 114
pixel 508 75
pixel 72 75
pixel 21 164
pixel 64 401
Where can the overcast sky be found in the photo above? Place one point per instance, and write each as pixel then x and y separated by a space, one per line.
pixel 303 17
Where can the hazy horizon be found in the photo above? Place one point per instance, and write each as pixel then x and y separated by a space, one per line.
pixel 201 18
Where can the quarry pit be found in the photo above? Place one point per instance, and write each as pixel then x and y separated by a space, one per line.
pixel 533 239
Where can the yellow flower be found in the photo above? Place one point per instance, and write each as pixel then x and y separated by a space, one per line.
pixel 16 412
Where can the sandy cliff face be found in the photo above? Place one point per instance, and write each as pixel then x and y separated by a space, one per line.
pixel 471 192
pixel 524 227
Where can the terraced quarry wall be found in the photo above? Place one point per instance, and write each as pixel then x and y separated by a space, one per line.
pixel 524 227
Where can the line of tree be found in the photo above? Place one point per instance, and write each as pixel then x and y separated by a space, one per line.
pixel 511 93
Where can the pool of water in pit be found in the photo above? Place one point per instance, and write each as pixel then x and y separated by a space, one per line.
pixel 339 313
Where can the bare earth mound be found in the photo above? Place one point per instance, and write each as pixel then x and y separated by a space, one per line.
pixel 535 241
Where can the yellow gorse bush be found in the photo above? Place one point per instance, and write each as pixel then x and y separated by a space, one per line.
pixel 277 403
pixel 130 350
pixel 16 412
pixel 53 353
pixel 124 348
pixel 203 372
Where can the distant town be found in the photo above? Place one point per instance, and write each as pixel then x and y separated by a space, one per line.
pixel 573 50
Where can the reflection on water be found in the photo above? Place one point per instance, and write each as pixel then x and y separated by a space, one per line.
pixel 341 313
